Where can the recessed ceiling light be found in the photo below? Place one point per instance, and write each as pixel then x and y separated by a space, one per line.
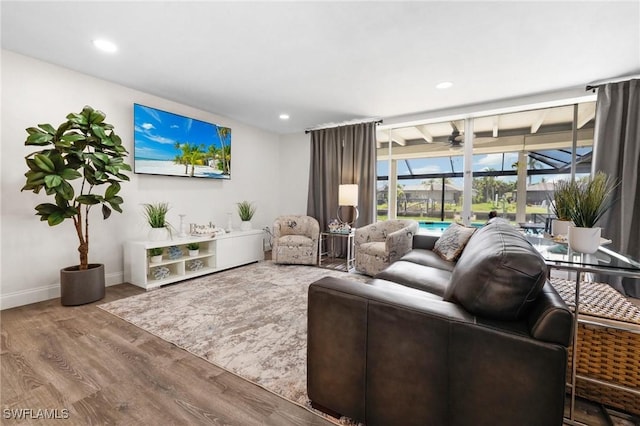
pixel 105 45
pixel 444 85
pixel 284 116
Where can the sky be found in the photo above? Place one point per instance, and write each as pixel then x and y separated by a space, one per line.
pixel 156 133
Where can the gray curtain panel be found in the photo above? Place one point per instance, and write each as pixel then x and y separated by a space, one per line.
pixel 616 151
pixel 342 155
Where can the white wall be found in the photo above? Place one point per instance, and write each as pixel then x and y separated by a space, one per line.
pixel 32 253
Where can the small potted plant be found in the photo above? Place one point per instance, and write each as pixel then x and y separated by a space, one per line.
pixel 246 210
pixel 155 255
pixel 156 214
pixel 592 199
pixel 564 193
pixel 194 249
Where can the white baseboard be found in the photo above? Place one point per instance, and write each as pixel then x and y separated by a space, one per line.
pixel 40 294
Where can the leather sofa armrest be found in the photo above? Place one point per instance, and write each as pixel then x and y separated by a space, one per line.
pixel 426 242
pixel 427 305
pixel 348 340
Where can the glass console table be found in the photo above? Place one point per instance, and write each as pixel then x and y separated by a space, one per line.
pixel 605 261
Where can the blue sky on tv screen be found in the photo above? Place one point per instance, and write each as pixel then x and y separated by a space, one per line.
pixel 156 133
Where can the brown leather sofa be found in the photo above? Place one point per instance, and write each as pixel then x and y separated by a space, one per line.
pixel 482 341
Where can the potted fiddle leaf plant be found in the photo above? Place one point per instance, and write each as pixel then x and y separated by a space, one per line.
pixel 592 199
pixel 246 210
pixel 80 165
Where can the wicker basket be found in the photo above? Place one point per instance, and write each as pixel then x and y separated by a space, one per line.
pixel 604 352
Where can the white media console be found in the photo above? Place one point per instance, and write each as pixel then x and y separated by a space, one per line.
pixel 215 254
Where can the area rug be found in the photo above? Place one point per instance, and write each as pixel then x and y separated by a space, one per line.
pixel 251 321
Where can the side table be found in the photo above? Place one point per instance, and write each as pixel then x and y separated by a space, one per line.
pixel 327 247
pixel 583 267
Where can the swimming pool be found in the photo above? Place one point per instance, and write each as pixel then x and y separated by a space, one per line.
pixel 438 227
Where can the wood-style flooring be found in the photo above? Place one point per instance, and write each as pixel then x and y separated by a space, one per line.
pixel 96 369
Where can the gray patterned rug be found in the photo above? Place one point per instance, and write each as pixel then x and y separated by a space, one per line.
pixel 251 321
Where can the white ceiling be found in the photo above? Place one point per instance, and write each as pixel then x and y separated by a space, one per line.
pixel 324 62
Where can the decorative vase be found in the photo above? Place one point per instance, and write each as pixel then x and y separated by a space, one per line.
pixel 560 227
pixel 584 240
pixel 158 234
pixel 194 252
pixel 78 287
pixel 174 252
pixel 245 225
pixel 155 259
pixel 229 223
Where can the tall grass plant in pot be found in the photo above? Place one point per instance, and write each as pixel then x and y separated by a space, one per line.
pixel 74 162
pixel 156 215
pixel 561 202
pixel 593 198
pixel 246 210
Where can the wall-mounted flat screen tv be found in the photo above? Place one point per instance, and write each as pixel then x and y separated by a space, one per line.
pixel 174 145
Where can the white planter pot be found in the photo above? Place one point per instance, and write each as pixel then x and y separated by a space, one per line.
pixel 560 227
pixel 584 240
pixel 194 252
pixel 158 234
pixel 155 259
pixel 245 225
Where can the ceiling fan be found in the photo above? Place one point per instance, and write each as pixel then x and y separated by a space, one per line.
pixel 456 138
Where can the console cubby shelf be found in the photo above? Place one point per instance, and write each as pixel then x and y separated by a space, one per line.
pixel 215 254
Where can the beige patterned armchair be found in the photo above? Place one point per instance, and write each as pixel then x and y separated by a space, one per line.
pixel 295 240
pixel 380 244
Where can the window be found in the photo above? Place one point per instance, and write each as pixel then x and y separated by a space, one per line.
pixel 516 158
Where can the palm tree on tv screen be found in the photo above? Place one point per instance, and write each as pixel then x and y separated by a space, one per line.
pixel 224 133
pixel 183 156
pixel 195 154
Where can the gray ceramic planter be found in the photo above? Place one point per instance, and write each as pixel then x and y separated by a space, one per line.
pixel 80 287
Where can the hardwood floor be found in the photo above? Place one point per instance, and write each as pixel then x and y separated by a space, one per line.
pixel 104 370
pixel 96 369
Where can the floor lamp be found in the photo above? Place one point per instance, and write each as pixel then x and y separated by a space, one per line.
pixel 348 196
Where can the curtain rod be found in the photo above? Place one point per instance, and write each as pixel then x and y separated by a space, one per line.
pixel 601 83
pixel 347 123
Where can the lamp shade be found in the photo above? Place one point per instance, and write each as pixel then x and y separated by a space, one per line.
pixel 348 195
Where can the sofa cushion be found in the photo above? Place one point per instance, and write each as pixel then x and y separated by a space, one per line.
pixel 499 274
pixel 428 258
pixel 453 240
pixel 417 276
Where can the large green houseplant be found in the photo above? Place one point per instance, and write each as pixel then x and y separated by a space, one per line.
pixel 73 163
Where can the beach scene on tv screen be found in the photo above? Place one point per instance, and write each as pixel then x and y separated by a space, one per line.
pixel 174 145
